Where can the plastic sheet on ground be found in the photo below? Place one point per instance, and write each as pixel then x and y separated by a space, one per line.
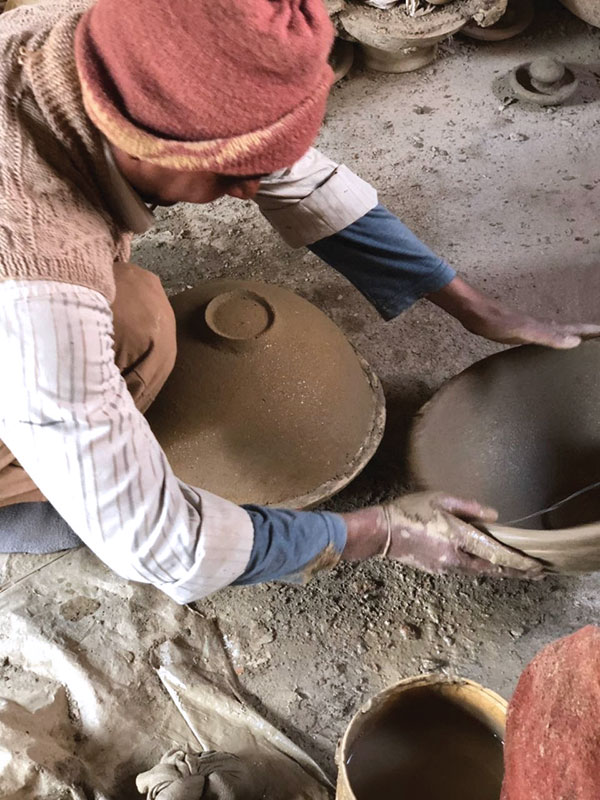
pixel 100 677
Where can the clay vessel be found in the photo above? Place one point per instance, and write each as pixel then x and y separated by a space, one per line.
pixel 545 82
pixel 587 10
pixel 268 402
pixel 484 707
pixel 341 58
pixel 392 41
pixel 520 431
pixel 517 18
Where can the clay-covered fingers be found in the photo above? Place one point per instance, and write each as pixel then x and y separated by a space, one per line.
pixel 468 564
pixel 475 542
pixel 559 336
pixel 465 509
pixel 583 330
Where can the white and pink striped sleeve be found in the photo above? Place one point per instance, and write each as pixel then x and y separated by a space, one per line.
pixel 68 418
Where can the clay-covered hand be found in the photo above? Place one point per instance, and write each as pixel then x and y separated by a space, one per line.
pixel 432 531
pixel 501 324
pixel 487 317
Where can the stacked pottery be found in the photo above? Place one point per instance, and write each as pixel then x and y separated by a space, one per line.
pixel 268 402
pixel 394 41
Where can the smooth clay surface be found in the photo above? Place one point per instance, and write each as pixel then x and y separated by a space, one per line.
pixel 268 402
pixel 520 430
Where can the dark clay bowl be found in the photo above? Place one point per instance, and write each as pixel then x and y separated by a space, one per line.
pixel 520 431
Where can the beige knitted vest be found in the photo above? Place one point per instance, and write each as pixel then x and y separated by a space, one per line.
pixel 56 221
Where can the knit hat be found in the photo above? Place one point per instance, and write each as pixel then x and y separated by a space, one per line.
pixel 552 742
pixel 236 87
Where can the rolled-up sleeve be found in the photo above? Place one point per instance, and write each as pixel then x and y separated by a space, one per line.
pixel 313 199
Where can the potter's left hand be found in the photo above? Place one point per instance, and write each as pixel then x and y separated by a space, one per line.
pixel 491 319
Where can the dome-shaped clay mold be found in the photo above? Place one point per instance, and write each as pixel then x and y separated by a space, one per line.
pixel 268 402
pixel 520 431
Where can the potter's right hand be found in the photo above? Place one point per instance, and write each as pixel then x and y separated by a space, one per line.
pixel 437 533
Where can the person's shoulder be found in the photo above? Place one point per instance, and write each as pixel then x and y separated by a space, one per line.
pixel 27 19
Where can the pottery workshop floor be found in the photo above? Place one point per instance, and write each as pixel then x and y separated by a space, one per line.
pixel 511 196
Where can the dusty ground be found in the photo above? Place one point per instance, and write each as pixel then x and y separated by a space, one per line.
pixel 510 195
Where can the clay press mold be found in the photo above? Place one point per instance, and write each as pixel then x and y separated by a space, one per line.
pixel 520 431
pixel 268 402
pixel 545 82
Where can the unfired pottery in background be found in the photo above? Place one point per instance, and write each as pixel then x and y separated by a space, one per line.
pixel 544 81
pixel 587 10
pixel 482 704
pixel 268 402
pixel 520 431
pixel 393 41
pixel 341 58
pixel 517 18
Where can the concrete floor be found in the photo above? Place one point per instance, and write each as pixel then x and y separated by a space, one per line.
pixel 511 196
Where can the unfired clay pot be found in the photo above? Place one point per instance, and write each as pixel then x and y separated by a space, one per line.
pixel 587 10
pixel 341 58
pixel 268 402
pixel 517 18
pixel 520 431
pixel 392 41
pixel 485 707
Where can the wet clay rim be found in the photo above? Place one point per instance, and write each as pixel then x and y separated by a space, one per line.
pixel 489 707
pixel 362 457
pixel 571 551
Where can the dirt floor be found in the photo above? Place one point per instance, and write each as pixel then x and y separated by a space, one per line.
pixel 511 196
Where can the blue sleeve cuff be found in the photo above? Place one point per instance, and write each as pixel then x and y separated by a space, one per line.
pixel 386 262
pixel 292 545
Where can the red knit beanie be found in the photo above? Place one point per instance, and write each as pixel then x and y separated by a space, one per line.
pixel 231 86
pixel 552 748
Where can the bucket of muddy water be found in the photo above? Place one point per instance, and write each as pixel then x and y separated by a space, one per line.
pixel 427 738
